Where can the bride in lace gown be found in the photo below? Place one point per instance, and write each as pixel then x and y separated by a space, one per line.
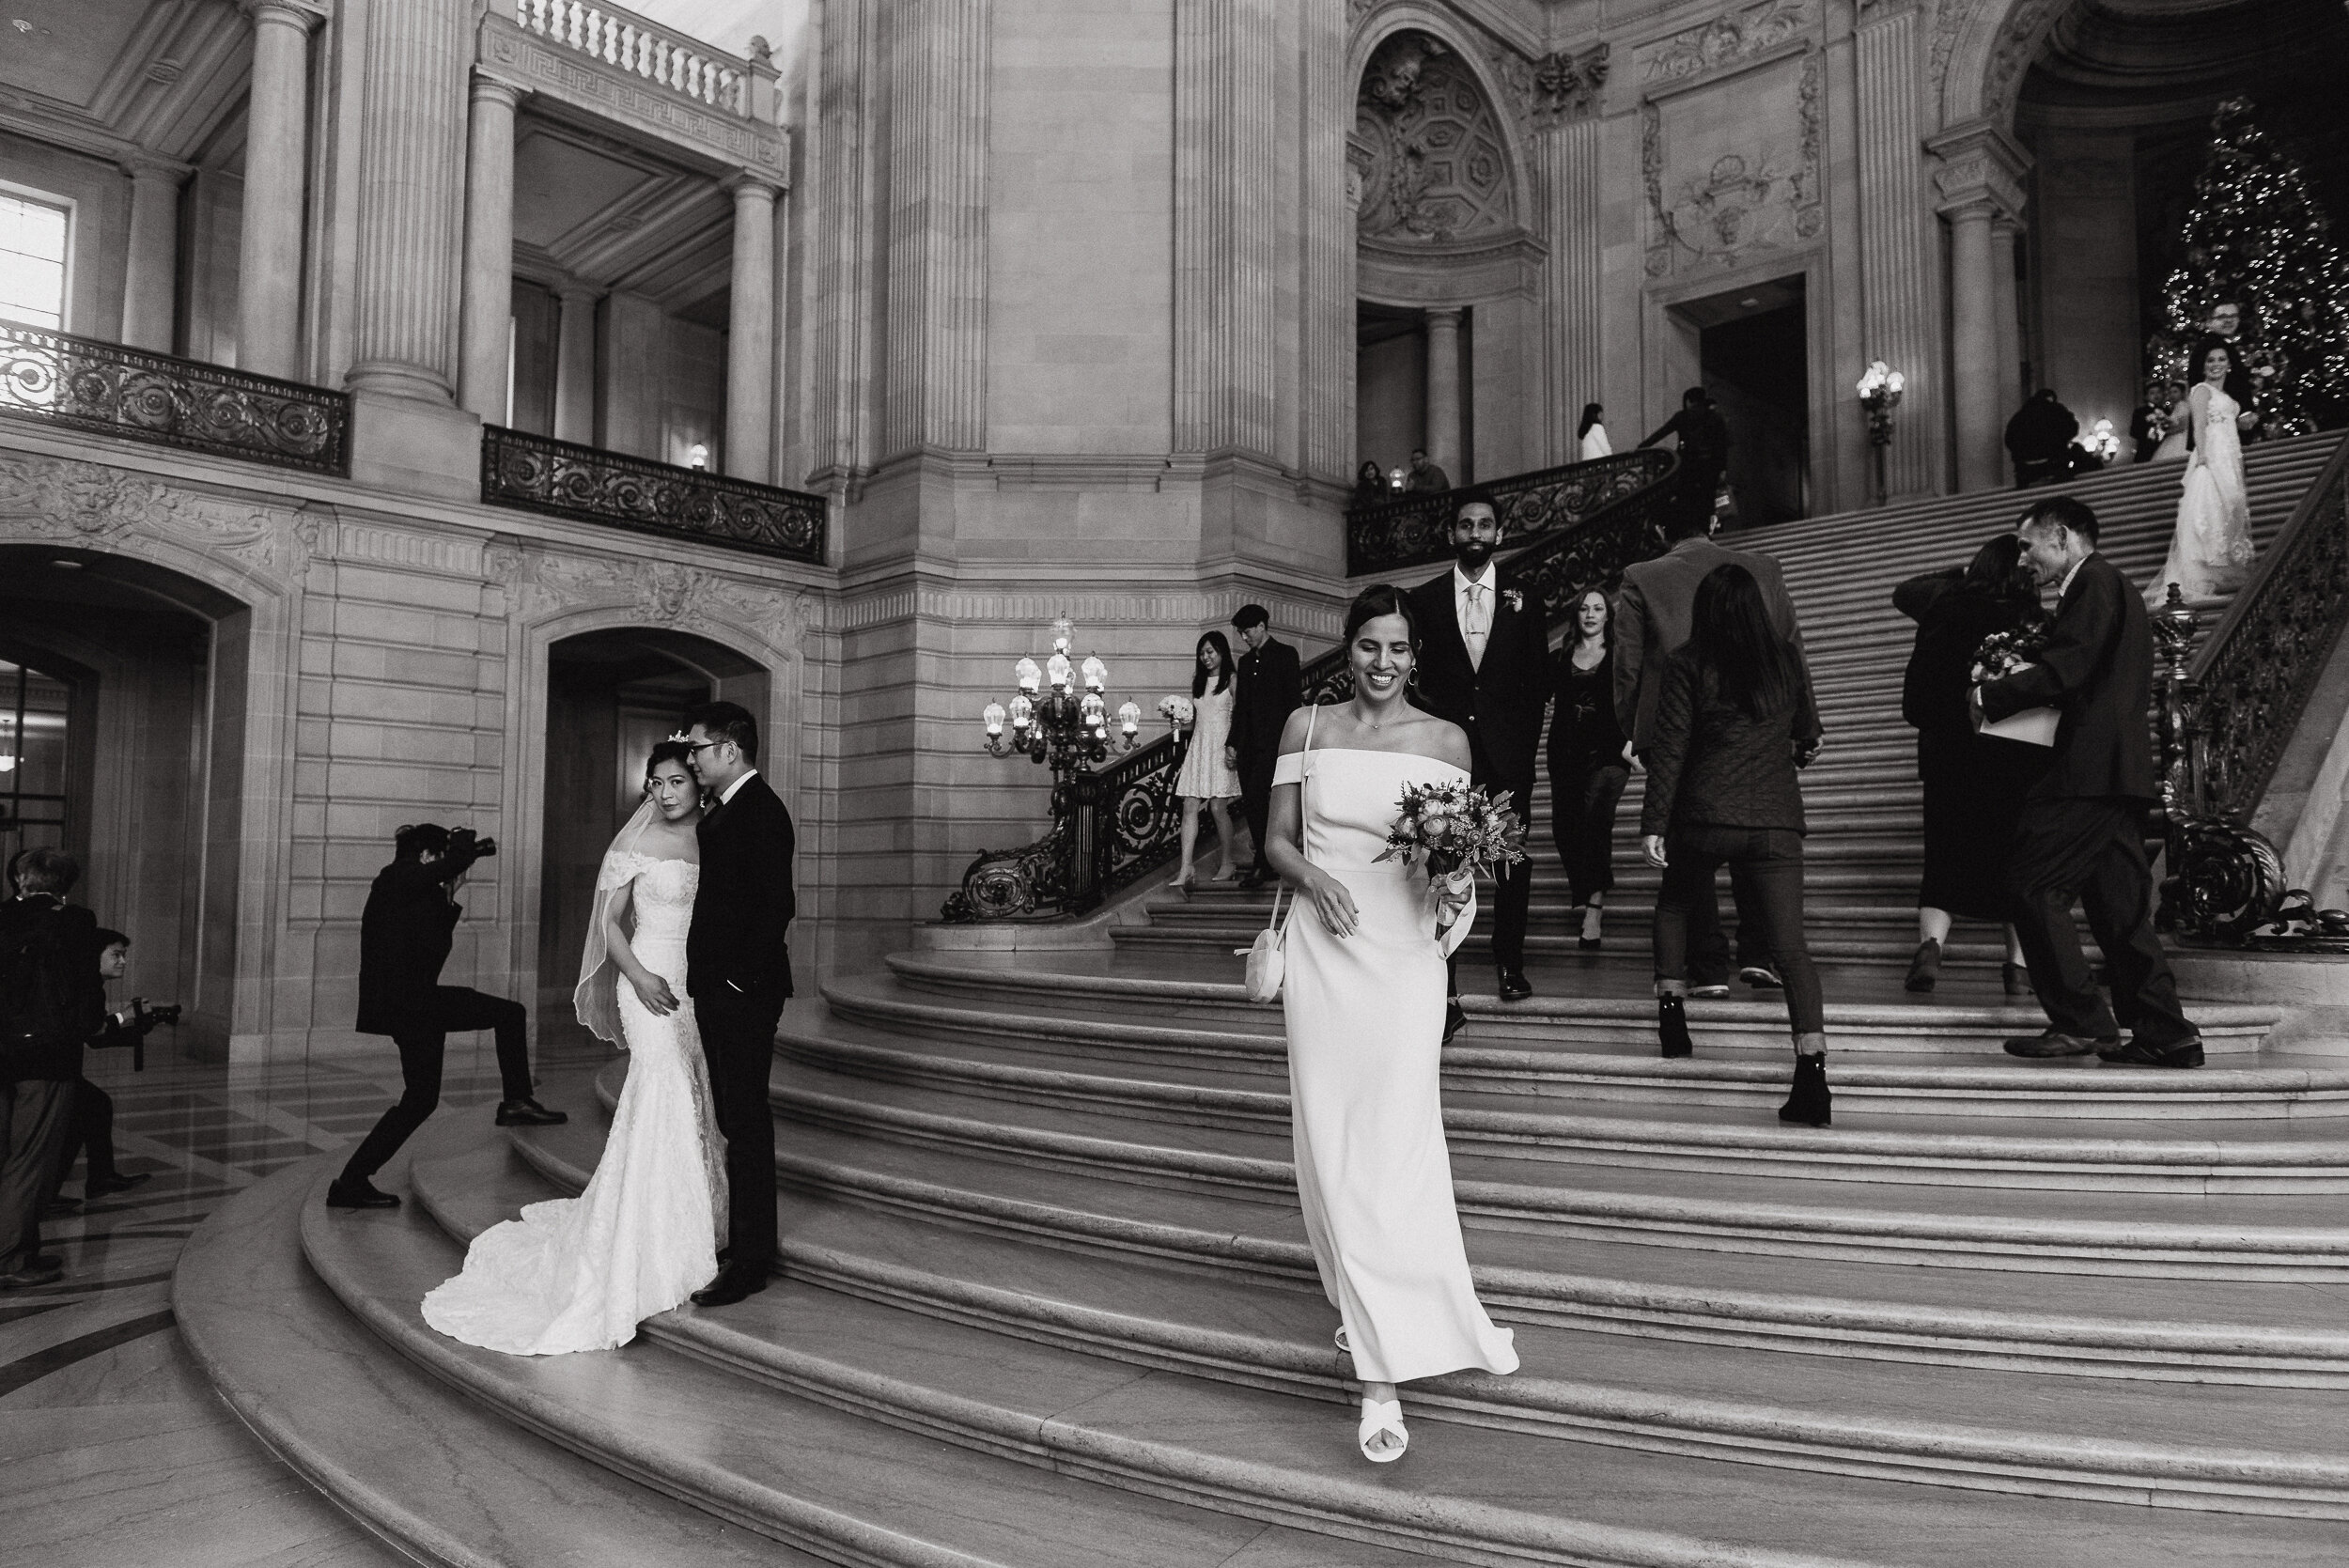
pixel 2211 551
pixel 581 1273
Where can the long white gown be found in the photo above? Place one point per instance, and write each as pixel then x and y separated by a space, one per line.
pixel 581 1273
pixel 2211 551
pixel 1365 1031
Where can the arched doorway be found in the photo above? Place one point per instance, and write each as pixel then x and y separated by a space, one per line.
pixel 611 697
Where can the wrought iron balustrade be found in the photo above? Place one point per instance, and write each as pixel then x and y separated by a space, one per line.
pixel 2226 714
pixel 86 385
pixel 1125 821
pixel 1412 530
pixel 565 479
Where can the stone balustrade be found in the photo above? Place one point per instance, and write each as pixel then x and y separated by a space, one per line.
pixel 635 43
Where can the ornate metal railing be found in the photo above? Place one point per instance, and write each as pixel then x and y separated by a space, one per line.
pixel 2224 716
pixel 79 381
pixel 541 474
pixel 1411 532
pixel 1123 822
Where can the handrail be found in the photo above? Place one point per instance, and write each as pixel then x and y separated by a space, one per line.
pixel 1389 535
pixel 565 479
pixel 90 384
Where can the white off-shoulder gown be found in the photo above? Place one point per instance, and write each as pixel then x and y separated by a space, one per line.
pixel 581 1273
pixel 1365 1033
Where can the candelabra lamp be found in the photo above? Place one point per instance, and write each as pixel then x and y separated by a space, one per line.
pixel 1058 717
pixel 1880 393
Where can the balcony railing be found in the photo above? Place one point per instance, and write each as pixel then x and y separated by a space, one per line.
pixel 86 385
pixel 640 45
pixel 568 480
pixel 1411 531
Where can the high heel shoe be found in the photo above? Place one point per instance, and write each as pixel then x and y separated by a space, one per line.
pixel 1382 1415
pixel 1926 968
pixel 1588 941
pixel 2016 979
pixel 1810 1102
pixel 1672 1027
pixel 1184 880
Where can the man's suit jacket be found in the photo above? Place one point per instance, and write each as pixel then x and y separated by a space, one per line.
pixel 1270 684
pixel 1652 618
pixel 404 938
pixel 2098 671
pixel 65 1002
pixel 1500 702
pixel 739 940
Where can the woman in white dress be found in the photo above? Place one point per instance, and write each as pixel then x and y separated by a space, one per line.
pixel 1209 776
pixel 581 1273
pixel 2211 551
pixel 1592 435
pixel 1363 990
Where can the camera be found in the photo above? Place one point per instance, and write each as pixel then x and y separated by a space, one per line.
pixel 151 1018
pixel 466 843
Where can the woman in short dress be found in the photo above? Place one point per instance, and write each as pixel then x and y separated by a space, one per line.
pixel 1210 772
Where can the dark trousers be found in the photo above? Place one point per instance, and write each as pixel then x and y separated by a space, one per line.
pixel 2091 850
pixel 1512 899
pixel 1769 907
pixel 423 1046
pixel 1255 803
pixel 35 1141
pixel 1582 796
pixel 93 1130
pixel 738 1040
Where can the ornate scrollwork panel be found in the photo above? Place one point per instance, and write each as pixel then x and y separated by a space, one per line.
pixel 591 485
pixel 1413 531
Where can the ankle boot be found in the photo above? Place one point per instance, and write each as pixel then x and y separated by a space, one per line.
pixel 1810 1103
pixel 1924 968
pixel 1672 1026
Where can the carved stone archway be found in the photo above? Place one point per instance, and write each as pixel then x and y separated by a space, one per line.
pixel 1980 51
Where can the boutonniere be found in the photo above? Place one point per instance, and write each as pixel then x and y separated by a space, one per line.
pixel 1513 598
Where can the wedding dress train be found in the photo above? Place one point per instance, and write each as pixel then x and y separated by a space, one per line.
pixel 581 1273
pixel 2211 551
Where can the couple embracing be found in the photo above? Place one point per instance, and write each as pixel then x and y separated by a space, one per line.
pixel 687 969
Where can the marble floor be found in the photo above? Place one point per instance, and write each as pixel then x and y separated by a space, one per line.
pixel 114 1450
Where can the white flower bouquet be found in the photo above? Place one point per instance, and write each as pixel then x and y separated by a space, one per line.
pixel 1176 711
pixel 2006 653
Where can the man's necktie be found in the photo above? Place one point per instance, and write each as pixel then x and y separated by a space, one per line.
pixel 1479 627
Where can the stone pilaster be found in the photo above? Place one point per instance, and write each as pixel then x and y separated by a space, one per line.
pixel 937 61
pixel 1326 324
pixel 2006 237
pixel 488 282
pixel 751 333
pixel 1573 280
pixel 412 160
pixel 151 262
pixel 269 265
pixel 1981 183
pixel 1443 392
pixel 575 362
pixel 1226 239
pixel 1900 305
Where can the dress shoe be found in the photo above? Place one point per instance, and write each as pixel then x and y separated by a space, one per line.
pixel 1513 986
pixel 529 1113
pixel 1924 969
pixel 2054 1042
pixel 1250 881
pixel 1454 1019
pixel 39 1271
pixel 1808 1103
pixel 1672 1027
pixel 1710 988
pixel 1762 977
pixel 2142 1053
pixel 359 1194
pixel 106 1187
pixel 1589 944
pixel 734 1283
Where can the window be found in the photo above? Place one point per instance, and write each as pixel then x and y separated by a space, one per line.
pixel 33 238
pixel 33 709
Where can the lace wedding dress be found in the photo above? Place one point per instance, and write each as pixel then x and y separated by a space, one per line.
pixel 2211 551
pixel 581 1273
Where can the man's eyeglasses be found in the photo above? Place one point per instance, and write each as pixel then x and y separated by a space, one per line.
pixel 694 746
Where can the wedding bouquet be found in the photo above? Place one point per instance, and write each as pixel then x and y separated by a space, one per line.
pixel 1455 827
pixel 1174 710
pixel 2003 654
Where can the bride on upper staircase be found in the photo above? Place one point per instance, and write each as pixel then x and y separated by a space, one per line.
pixel 2211 551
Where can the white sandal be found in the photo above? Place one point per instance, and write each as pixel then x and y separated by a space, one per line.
pixel 1382 1415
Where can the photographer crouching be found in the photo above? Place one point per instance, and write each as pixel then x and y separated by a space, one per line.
pixel 404 938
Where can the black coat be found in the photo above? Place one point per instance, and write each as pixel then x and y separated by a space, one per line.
pixel 1712 765
pixel 66 1002
pixel 404 938
pixel 2098 670
pixel 1270 691
pixel 1951 621
pixel 1500 704
pixel 739 941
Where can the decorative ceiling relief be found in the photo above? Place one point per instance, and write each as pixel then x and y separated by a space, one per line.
pixel 1732 37
pixel 1428 147
pixel 1734 168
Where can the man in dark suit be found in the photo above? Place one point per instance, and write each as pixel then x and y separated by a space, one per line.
pixel 50 1000
pixel 1704 446
pixel 2080 834
pixel 1484 663
pixel 405 934
pixel 737 969
pixel 1652 615
pixel 1270 685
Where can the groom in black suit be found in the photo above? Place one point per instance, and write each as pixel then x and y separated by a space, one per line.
pixel 737 969
pixel 1484 663
pixel 2081 832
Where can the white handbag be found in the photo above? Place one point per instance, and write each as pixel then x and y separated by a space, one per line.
pixel 1266 958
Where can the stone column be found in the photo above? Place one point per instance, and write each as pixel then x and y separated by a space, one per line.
pixel 1981 183
pixel 269 258
pixel 2005 239
pixel 488 312
pixel 411 198
pixel 575 363
pixel 150 273
pixel 750 334
pixel 1226 237
pixel 1443 392
pixel 1326 312
pixel 1900 314
pixel 1572 279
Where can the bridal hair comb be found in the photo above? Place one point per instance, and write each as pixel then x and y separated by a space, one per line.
pixel 681 737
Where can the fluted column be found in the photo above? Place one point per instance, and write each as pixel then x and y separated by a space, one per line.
pixel 411 159
pixel 488 282
pixel 2005 235
pixel 939 60
pixel 575 363
pixel 150 271
pixel 751 333
pixel 1226 237
pixel 1326 348
pixel 269 253
pixel 1900 313
pixel 1443 392
pixel 1576 270
pixel 1981 183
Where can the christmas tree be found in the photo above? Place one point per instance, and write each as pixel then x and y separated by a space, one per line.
pixel 2256 238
